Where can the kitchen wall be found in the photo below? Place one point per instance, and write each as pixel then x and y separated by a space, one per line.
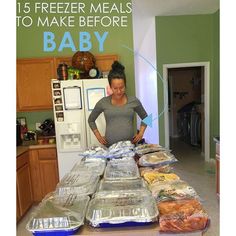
pixel 190 38
pixel 30 44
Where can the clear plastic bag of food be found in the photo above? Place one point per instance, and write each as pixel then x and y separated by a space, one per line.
pixel 151 177
pixel 182 216
pixel 96 151
pixel 121 149
pixel 121 145
pixel 161 169
pixel 172 190
pixel 157 159
pixel 58 214
pixel 142 149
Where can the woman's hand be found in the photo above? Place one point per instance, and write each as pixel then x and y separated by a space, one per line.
pixel 137 138
pixel 139 135
pixel 100 138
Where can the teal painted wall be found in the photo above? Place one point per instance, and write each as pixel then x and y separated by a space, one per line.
pixel 30 44
pixel 190 38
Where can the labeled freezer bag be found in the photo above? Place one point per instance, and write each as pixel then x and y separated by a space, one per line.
pixel 96 165
pixel 157 159
pixel 119 208
pixel 121 145
pixel 121 170
pixel 96 152
pixel 58 215
pixel 121 149
pixel 148 148
pixel 157 178
pixel 172 190
pixel 82 183
pixel 121 185
pixel 161 169
pixel 182 216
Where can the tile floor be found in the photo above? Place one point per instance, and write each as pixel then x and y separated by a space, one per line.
pixel 191 168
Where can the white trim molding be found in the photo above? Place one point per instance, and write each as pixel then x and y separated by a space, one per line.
pixel 206 66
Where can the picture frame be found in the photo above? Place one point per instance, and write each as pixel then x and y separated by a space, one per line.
pixel 22 121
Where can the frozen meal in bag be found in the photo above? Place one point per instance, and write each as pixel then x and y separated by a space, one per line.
pixel 157 159
pixel 182 216
pixel 148 148
pixel 161 169
pixel 172 190
pixel 151 177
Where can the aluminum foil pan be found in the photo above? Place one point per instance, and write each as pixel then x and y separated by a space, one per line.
pixel 121 170
pixel 90 164
pixel 120 208
pixel 57 213
pixel 121 185
pixel 82 183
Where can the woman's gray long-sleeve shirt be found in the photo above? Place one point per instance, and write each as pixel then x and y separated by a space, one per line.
pixel 119 119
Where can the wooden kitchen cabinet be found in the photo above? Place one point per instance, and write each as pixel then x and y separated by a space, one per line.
pixel 34 83
pixel 34 79
pixel 44 172
pixel 23 185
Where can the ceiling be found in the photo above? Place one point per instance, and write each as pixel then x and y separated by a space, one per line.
pixel 176 7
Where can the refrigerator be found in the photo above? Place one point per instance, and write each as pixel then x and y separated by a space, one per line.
pixel 73 101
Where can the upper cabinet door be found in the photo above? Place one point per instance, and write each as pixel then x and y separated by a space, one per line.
pixel 34 83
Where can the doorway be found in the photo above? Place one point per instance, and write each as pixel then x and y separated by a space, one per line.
pixel 187 95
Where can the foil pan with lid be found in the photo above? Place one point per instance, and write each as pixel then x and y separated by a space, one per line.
pixel 58 213
pixel 81 183
pixel 96 165
pixel 121 170
pixel 121 185
pixel 119 208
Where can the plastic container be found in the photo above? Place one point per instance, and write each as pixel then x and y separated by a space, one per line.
pixel 122 208
pixel 57 215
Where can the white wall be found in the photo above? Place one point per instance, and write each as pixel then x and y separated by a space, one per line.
pixel 144 36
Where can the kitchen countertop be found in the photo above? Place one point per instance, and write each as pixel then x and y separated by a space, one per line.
pixel 21 149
